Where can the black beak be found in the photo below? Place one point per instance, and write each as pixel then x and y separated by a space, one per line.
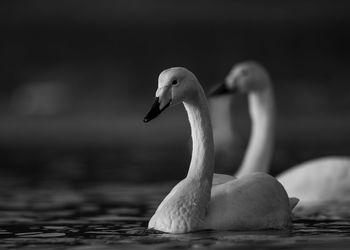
pixel 221 89
pixel 218 89
pixel 154 111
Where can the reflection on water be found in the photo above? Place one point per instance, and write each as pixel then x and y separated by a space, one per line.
pixel 102 216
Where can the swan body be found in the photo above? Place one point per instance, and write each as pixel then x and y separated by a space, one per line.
pixel 256 201
pixel 222 178
pixel 319 180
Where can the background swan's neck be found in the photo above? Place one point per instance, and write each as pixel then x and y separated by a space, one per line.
pixel 260 147
pixel 202 161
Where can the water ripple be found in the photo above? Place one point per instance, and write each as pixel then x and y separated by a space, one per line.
pixel 109 216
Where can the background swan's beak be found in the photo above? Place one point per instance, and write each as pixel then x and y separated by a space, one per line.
pixel 155 110
pixel 218 89
pixel 221 89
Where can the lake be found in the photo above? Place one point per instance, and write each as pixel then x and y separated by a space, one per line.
pixel 115 216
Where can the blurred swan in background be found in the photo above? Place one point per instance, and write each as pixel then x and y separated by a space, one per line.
pixel 255 201
pixel 229 139
pixel 320 180
pixel 251 78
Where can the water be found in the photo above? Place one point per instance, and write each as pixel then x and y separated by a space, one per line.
pixel 113 216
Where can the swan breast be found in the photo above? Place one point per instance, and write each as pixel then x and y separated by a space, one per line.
pixel 183 209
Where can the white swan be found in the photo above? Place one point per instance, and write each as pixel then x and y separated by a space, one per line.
pixel 255 201
pixel 315 181
pixel 251 78
pixel 320 180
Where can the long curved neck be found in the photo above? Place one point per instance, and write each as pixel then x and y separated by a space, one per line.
pixel 260 147
pixel 202 161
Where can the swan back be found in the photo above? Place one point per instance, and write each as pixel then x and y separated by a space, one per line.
pixel 254 201
pixel 321 180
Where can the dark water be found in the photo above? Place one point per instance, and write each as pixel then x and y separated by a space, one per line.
pixel 115 216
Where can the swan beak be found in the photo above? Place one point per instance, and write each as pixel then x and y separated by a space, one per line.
pixel 221 89
pixel 218 89
pixel 155 110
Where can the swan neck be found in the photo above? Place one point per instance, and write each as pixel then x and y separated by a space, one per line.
pixel 202 160
pixel 260 147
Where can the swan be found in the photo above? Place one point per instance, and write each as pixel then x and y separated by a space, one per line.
pixel 321 180
pixel 255 201
pixel 252 78
pixel 316 181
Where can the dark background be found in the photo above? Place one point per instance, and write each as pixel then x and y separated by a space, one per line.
pixel 77 77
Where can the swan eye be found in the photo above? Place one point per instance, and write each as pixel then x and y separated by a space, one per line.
pixel 174 82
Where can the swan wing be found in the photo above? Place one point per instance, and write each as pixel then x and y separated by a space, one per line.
pixel 255 201
pixel 222 178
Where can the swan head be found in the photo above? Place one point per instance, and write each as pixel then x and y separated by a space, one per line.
pixel 175 85
pixel 245 77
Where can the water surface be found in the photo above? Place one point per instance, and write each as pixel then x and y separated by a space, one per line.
pixel 112 216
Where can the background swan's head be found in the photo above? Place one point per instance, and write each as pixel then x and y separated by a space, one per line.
pixel 244 77
pixel 175 85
